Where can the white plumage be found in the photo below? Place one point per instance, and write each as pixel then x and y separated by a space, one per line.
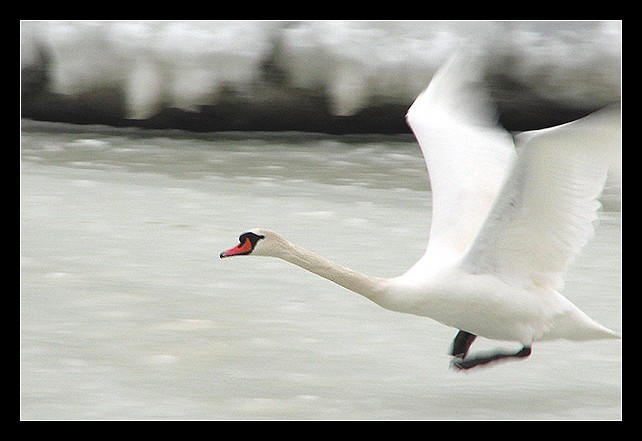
pixel 508 219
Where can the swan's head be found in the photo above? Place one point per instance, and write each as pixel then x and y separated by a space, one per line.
pixel 258 242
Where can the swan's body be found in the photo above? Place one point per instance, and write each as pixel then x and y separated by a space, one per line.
pixel 506 222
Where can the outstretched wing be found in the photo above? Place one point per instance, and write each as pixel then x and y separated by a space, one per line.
pixel 545 212
pixel 467 154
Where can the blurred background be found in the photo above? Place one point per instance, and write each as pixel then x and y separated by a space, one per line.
pixel 147 147
pixel 311 76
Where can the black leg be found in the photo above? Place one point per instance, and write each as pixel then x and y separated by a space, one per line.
pixel 485 359
pixel 462 343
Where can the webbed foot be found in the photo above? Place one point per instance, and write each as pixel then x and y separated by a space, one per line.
pixel 479 360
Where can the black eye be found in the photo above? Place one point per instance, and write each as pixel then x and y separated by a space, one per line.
pixel 254 238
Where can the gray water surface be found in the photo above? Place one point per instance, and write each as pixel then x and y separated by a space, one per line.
pixel 127 312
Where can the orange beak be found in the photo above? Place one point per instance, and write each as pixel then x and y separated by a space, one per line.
pixel 240 249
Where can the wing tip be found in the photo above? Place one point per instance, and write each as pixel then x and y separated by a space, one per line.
pixel 457 88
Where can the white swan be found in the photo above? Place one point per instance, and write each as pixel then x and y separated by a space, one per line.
pixel 506 222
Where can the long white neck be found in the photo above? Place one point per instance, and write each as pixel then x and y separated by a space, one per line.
pixel 373 288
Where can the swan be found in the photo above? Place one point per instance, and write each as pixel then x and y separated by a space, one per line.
pixel 509 215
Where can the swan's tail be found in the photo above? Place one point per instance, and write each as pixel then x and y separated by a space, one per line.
pixel 603 332
pixel 589 329
pixel 571 323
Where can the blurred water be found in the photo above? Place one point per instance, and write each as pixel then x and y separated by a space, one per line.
pixel 126 312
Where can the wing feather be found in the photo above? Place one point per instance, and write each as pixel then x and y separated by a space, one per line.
pixel 468 156
pixel 545 212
